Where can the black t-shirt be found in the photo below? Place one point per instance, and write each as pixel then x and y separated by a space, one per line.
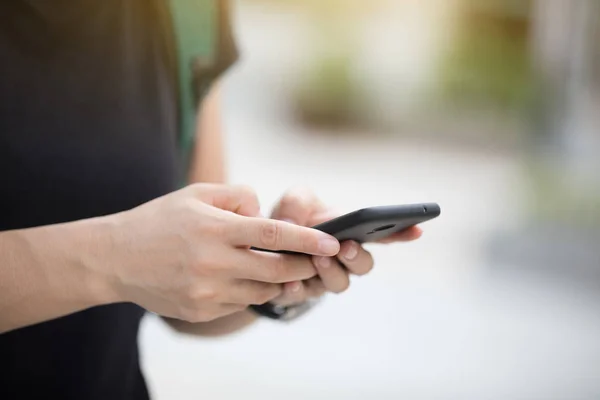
pixel 88 127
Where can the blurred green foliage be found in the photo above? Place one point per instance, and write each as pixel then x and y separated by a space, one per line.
pixel 556 195
pixel 489 61
pixel 509 8
pixel 328 93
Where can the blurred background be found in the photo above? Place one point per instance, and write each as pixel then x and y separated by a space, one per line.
pixel 489 107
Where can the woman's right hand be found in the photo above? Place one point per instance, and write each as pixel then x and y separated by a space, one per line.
pixel 187 255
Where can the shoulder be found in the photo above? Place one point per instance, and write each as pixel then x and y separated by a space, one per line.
pixel 203 29
pixel 204 40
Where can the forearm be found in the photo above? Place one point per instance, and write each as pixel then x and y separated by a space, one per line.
pixel 208 159
pixel 45 273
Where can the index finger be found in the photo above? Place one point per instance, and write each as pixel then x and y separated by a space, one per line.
pixel 269 234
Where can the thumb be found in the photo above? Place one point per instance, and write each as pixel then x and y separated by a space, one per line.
pixel 324 216
pixel 296 206
pixel 239 199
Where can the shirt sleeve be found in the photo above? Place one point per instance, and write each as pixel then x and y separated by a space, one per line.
pixel 226 52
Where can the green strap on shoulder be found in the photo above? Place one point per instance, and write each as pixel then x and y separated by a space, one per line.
pixel 195 27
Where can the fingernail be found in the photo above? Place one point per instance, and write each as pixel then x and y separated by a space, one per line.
pixel 351 252
pixel 324 262
pixel 329 246
pixel 296 287
pixel 289 221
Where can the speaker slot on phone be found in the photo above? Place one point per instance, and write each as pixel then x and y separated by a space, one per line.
pixel 384 228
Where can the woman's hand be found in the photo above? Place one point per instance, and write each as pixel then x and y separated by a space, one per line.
pixel 303 208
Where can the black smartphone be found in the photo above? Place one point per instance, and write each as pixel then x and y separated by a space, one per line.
pixel 376 223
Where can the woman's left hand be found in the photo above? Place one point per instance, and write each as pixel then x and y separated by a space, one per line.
pixel 302 207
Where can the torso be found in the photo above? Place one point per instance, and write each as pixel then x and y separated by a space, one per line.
pixel 88 127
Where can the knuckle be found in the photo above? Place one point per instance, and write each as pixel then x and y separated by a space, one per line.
pixel 248 196
pixel 249 204
pixel 203 294
pixel 247 192
pixel 270 234
pixel 185 207
pixel 216 225
pixel 193 188
pixel 197 189
pixel 187 204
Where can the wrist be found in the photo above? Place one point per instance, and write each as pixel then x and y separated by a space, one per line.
pixel 81 249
